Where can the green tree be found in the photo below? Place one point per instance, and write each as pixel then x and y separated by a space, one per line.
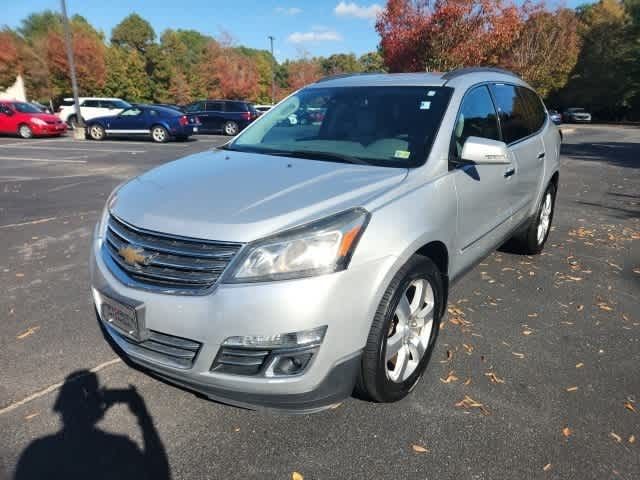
pixel 372 62
pixel 340 63
pixel 37 25
pixel 134 32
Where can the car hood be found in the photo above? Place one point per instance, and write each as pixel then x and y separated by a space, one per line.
pixel 237 196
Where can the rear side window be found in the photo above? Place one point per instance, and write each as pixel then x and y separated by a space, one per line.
pixel 214 107
pixel 91 103
pixel 513 111
pixel 536 116
pixel 236 107
pixel 67 102
pixel 477 118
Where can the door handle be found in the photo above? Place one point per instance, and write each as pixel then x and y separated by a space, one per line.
pixel 510 172
pixel 540 155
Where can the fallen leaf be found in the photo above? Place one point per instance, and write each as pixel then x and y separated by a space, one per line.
pixel 27 332
pixel 532 315
pixel 296 476
pixel 419 449
pixel 629 406
pixel 467 403
pixel 632 439
pixel 31 415
pixel 519 355
pixel 493 377
pixel 616 437
pixel 19 275
pixel 575 279
pixel 547 467
pixel 237 429
pixel 450 378
pixel 468 348
pixel 580 308
pixel 467 381
pixel 566 431
pixel 572 389
pixel 605 307
pixel 337 405
pixel 527 332
pixel 579 365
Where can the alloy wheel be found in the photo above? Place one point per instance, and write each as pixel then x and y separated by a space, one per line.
pixel 231 128
pixel 410 330
pixel 545 218
pixel 25 131
pixel 159 134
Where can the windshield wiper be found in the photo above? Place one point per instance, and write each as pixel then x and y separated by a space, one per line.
pixel 319 155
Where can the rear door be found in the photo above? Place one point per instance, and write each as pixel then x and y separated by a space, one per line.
pixel 216 115
pixel 521 121
pixel 7 125
pixel 91 109
pixel 484 210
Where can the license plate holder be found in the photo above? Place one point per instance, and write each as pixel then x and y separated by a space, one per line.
pixel 121 317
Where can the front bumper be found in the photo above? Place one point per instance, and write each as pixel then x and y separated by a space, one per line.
pixel 49 129
pixel 345 302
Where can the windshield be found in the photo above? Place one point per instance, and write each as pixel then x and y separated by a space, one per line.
pixel 387 126
pixel 24 107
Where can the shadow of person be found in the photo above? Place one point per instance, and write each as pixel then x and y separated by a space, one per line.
pixel 80 450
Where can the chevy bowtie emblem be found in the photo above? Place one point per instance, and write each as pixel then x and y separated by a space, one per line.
pixel 135 256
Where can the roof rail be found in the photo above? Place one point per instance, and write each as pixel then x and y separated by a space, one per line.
pixel 345 75
pixel 467 70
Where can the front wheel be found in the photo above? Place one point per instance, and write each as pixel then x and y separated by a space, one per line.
pixel 159 134
pixel 25 131
pixel 403 332
pixel 231 128
pixel 96 132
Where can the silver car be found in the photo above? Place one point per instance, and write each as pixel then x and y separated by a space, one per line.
pixel 298 263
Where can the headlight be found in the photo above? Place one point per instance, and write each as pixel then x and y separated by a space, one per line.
pixel 324 246
pixel 38 121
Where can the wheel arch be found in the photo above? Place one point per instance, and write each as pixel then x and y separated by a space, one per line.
pixel 438 253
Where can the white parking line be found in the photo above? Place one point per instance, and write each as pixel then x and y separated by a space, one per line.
pixel 55 386
pixel 45 160
pixel 110 150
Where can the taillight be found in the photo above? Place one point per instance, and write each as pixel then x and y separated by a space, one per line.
pixel 184 120
pixel 246 115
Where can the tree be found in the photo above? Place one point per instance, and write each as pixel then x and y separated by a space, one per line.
pixel 10 64
pixel 371 62
pixel 446 34
pixel 227 73
pixel 546 49
pixel 134 32
pixel 340 63
pixel 38 25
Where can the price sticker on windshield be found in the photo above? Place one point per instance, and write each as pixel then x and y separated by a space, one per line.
pixel 402 154
pixel 425 105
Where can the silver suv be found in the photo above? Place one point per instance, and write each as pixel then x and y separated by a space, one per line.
pixel 300 262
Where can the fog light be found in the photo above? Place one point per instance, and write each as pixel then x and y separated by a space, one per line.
pixel 290 364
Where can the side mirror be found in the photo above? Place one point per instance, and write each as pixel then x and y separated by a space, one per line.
pixel 484 151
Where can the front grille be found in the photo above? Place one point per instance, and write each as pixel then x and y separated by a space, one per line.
pixel 240 361
pixel 171 264
pixel 165 349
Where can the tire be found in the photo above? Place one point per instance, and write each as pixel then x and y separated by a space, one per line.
pixel 96 132
pixel 230 128
pixel 532 239
pixel 159 134
pixel 25 131
pixel 388 377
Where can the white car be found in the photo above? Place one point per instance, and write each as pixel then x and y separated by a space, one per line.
pixel 90 107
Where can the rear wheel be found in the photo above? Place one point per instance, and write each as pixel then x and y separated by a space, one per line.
pixel 25 131
pixel 96 132
pixel 531 241
pixel 231 128
pixel 159 134
pixel 403 332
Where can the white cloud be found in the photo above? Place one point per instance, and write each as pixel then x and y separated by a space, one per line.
pixel 315 35
pixel 352 9
pixel 288 10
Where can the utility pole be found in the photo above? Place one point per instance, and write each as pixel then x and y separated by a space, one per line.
pixel 78 132
pixel 273 71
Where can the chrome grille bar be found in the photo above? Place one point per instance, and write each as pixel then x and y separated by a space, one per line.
pixel 172 264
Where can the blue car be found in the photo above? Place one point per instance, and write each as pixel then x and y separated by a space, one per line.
pixel 226 116
pixel 160 123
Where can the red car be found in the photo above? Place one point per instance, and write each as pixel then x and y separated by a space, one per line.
pixel 28 121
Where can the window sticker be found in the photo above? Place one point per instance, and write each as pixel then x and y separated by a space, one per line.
pixel 424 105
pixel 431 93
pixel 402 154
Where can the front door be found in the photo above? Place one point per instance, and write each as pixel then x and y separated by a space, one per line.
pixel 130 122
pixel 484 211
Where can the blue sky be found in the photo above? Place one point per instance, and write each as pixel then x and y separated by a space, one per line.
pixel 317 27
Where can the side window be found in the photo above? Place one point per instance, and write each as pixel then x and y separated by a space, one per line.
pixel 513 111
pixel 536 114
pixel 91 103
pixel 131 112
pixel 214 107
pixel 236 107
pixel 477 118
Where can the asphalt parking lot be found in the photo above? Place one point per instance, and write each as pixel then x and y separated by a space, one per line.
pixel 535 374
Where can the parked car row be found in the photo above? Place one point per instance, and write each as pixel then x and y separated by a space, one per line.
pixel 570 115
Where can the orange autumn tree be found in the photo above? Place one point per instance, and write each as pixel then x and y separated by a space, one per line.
pixel 441 35
pixel 10 65
pixel 226 73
